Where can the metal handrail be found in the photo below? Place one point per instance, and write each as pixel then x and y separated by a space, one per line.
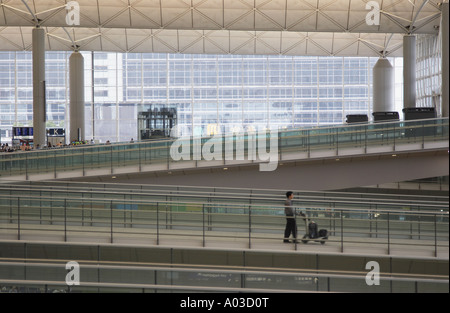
pixel 206 267
pixel 211 194
pixel 228 270
pixel 46 285
pixel 205 189
pixel 240 224
pixel 109 150
pixel 230 205
pixel 240 274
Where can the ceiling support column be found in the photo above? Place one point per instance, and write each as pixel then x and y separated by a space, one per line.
pixel 39 111
pixel 409 71
pixel 383 86
pixel 76 68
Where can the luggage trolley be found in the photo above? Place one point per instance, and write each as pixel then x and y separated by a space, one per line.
pixel 312 232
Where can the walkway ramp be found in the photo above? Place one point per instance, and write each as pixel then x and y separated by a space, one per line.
pixel 321 158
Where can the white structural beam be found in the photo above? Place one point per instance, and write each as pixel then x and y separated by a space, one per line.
pixel 383 86
pixel 39 111
pixel 409 71
pixel 445 59
pixel 76 68
pixel 287 27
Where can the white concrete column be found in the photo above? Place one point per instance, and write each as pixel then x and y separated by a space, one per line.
pixel 409 71
pixel 445 60
pixel 76 76
pixel 39 110
pixel 383 86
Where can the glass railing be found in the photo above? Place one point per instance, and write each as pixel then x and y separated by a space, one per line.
pixel 158 153
pixel 62 217
pixel 219 196
pixel 48 276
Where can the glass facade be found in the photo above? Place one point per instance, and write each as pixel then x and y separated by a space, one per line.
pixel 210 92
pixel 428 71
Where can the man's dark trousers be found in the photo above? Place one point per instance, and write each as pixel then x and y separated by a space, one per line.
pixel 291 228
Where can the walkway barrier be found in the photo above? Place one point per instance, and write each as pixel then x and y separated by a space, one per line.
pixel 68 217
pixel 292 144
pixel 311 199
pixel 50 276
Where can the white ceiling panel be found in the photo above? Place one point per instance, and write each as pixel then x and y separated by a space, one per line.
pixel 293 27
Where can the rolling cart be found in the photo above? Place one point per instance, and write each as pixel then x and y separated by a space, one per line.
pixel 312 231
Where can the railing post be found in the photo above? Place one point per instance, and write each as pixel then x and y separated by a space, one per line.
pixel 18 218
pixel 203 224
pixel 139 155
pixel 418 225
pixel 342 231
pixel 157 223
pixel 295 230
pixel 54 164
pixel 26 166
pixel 92 221
pixel 131 218
pixel 10 209
pixel 308 144
pixel 111 156
pixel 365 139
pixel 249 227
pixel 168 156
pixel 209 210
pixel 376 221
pixel 111 209
pixel 82 161
pixel 337 141
pixel 167 215
pixel 423 136
pixel 394 137
pixel 125 215
pixel 435 236
pixel 65 220
pixel 40 207
pixel 388 234
pixel 82 211
pixel 280 146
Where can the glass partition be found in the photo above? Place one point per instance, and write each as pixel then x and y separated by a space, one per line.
pixel 89 157
pixel 62 217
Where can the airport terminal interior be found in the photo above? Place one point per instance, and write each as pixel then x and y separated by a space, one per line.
pixel 224 146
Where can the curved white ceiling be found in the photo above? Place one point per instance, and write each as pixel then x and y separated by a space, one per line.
pixel 288 27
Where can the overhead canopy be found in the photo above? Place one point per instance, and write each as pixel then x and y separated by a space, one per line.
pixel 287 27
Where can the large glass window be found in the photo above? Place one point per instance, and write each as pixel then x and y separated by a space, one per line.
pixel 209 91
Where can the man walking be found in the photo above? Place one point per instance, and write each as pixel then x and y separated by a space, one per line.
pixel 291 225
